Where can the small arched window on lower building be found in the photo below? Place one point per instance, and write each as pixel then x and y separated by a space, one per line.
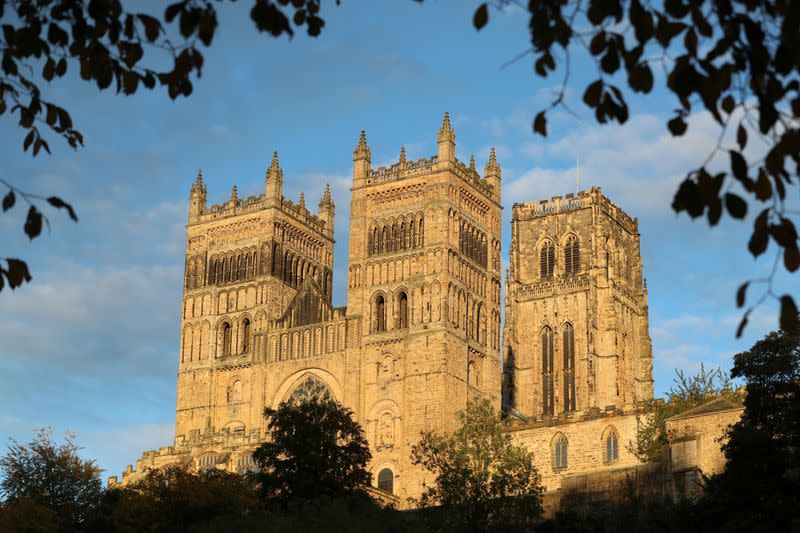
pixel 386 480
pixel 559 450
pixel 610 445
pixel 226 335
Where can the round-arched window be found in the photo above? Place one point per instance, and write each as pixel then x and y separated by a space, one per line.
pixel 386 480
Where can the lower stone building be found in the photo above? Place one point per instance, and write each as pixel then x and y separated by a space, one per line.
pixel 422 331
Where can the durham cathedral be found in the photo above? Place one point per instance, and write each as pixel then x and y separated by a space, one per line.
pixel 559 342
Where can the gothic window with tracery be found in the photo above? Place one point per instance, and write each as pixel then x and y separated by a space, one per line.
pixel 311 388
pixel 611 446
pixel 569 367
pixel 547 260
pixel 572 256
pixel 560 453
pixel 548 396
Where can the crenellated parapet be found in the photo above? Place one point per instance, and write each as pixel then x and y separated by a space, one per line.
pixel 571 202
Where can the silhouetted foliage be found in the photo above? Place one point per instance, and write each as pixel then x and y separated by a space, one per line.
pixel 315 450
pixel 760 488
pixel 106 44
pixel 174 499
pixel 481 477
pixel 737 59
pixel 43 474
pixel 687 392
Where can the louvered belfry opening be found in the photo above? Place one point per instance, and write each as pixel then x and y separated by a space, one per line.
pixel 572 256
pixel 569 368
pixel 547 261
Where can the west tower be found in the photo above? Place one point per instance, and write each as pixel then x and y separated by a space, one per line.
pixel 246 258
pixel 576 332
pixel 424 274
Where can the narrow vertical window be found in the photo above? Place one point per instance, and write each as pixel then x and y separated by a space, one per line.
pixel 403 305
pixel 246 336
pixel 226 339
pixel 380 314
pixel 572 256
pixel 560 453
pixel 548 395
pixel 569 368
pixel 547 260
pixel 612 446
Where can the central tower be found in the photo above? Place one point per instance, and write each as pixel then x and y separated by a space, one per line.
pixel 424 273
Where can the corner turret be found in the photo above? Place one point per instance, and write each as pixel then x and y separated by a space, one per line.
pixel 274 179
pixel 362 158
pixel 197 198
pixel 447 142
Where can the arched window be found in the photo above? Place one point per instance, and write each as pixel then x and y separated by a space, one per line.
pixel 386 480
pixel 386 240
pixel 402 321
pixel 371 241
pixel 380 314
pixel 548 396
pixel 572 256
pixel 569 368
pixel 560 452
pixel 208 461
pixel 245 335
pixel 212 271
pixel 547 260
pixel 611 452
pixel 311 388
pixel 234 392
pixel 226 338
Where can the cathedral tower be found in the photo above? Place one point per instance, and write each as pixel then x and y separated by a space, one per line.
pixel 246 259
pixel 424 273
pixel 576 332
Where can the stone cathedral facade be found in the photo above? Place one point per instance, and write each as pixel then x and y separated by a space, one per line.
pixel 421 331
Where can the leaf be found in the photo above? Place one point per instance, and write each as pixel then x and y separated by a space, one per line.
pixel 740 294
pixel 790 322
pixel 763 187
pixel 9 200
pixel 481 16
pixel 728 104
pixel 540 124
pixel 28 140
pixel 758 241
pixel 17 273
pixel 791 258
pixel 172 11
pixel 591 97
pixel 736 206
pixel 33 223
pixel 49 70
pixel 741 137
pixel 738 166
pixel 57 202
pixel 677 126
pixel 742 325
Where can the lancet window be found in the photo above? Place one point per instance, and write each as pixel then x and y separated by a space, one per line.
pixel 569 367
pixel 473 244
pixel 548 396
pixel 572 256
pixel 547 260
pixel 559 451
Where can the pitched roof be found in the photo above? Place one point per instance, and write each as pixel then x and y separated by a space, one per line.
pixel 714 406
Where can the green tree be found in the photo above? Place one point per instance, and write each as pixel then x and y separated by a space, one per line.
pixel 687 392
pixel 315 449
pixel 479 473
pixel 760 487
pixel 42 473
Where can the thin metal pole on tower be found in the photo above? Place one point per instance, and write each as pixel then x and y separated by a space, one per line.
pixel 577 174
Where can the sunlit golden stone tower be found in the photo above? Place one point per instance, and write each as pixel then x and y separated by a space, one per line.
pixel 245 260
pixel 424 273
pixel 576 331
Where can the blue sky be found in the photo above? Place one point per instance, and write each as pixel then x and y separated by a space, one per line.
pixel 91 345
